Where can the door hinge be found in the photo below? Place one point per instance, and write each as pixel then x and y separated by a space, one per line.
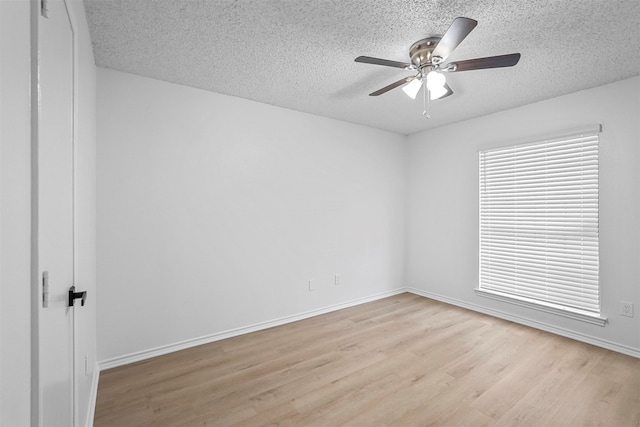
pixel 45 289
pixel 44 8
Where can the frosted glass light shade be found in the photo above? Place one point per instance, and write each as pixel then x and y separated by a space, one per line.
pixel 435 80
pixel 412 88
pixel 438 92
pixel 436 84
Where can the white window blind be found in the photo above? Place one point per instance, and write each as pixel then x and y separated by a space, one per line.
pixel 539 222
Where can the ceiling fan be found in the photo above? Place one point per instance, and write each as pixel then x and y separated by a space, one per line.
pixel 427 57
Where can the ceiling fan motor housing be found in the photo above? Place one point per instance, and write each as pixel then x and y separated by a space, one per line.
pixel 420 52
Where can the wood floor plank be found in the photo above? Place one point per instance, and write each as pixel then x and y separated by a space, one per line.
pixel 403 360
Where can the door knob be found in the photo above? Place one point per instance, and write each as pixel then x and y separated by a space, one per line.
pixel 73 296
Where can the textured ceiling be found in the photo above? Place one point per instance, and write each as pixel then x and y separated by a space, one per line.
pixel 299 54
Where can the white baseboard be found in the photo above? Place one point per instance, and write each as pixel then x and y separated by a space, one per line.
pixel 532 323
pixel 158 351
pixel 170 348
pixel 93 397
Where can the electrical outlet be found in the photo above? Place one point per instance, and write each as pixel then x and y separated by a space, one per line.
pixel 626 308
pixel 312 286
pixel 336 279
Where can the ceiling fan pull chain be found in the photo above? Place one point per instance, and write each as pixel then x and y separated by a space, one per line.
pixel 425 101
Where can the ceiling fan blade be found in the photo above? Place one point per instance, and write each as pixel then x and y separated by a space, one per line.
pixel 385 62
pixel 459 29
pixel 392 86
pixel 481 63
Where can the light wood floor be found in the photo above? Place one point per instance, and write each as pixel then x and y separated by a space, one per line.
pixel 402 361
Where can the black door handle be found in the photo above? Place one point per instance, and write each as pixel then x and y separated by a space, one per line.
pixel 73 295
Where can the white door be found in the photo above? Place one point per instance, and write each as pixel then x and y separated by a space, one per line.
pixel 54 210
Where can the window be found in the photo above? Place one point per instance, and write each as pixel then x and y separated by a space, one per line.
pixel 539 225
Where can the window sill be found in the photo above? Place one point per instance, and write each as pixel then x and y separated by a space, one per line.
pixel 523 302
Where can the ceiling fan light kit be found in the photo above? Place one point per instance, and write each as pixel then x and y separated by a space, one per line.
pixel 436 85
pixel 427 57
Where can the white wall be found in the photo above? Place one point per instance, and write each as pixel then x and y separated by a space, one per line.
pixel 15 213
pixel 214 212
pixel 442 242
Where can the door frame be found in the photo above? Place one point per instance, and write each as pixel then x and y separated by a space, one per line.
pixel 36 294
